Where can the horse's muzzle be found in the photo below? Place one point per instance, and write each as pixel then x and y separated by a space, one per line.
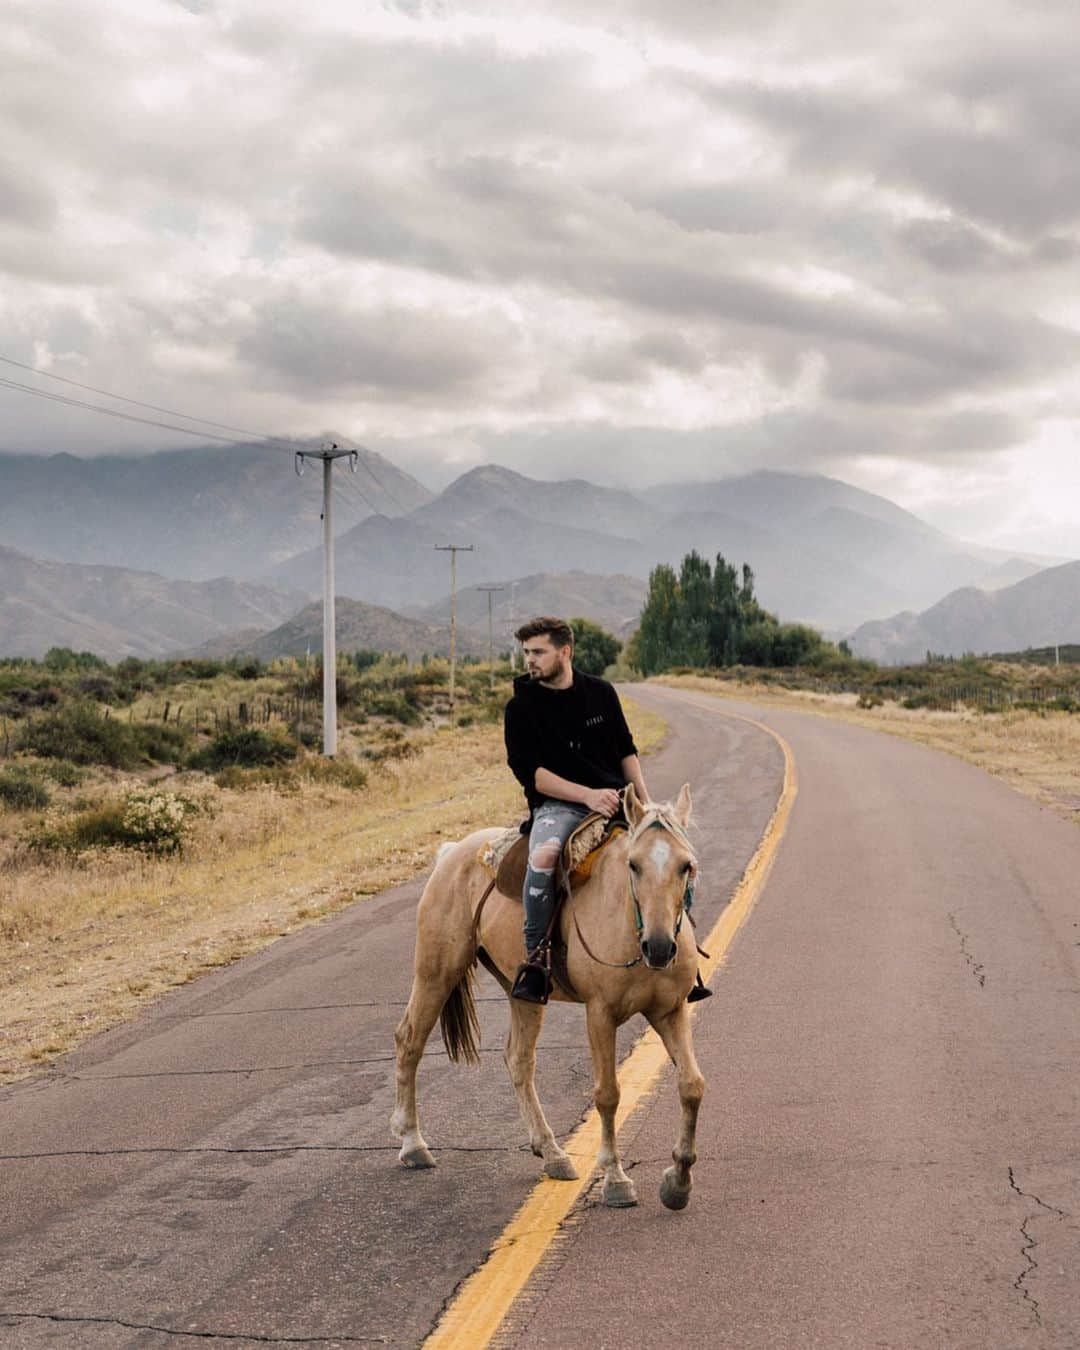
pixel 659 952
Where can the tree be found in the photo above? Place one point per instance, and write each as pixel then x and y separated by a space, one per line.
pixel 653 638
pixel 594 648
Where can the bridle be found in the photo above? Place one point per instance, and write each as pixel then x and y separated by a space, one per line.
pixel 660 821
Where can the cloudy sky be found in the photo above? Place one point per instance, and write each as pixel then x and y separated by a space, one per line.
pixel 628 240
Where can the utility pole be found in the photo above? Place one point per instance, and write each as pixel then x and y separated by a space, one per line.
pixel 513 624
pixel 491 643
pixel 453 550
pixel 328 454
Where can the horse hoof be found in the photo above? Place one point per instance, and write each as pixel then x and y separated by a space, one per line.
pixel 560 1169
pixel 619 1194
pixel 673 1195
pixel 416 1157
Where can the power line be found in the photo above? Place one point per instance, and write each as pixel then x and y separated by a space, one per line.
pixel 113 412
pixel 385 489
pixel 138 403
pixel 169 412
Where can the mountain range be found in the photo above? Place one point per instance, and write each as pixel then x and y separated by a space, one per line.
pixel 117 612
pixel 358 626
pixel 822 551
pixel 1039 611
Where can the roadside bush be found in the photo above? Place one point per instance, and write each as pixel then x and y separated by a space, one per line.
pixel 21 792
pixel 247 748
pixel 149 821
pixel 621 673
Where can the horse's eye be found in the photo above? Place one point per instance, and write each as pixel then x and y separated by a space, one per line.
pixel 635 869
pixel 685 868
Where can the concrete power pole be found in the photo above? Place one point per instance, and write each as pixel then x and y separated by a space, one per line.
pixel 513 626
pixel 328 454
pixel 491 641
pixel 453 550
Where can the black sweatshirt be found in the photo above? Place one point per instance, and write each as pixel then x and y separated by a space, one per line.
pixel 579 733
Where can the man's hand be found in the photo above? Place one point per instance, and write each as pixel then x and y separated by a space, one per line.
pixel 604 801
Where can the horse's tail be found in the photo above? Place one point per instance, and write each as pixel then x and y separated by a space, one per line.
pixel 458 1022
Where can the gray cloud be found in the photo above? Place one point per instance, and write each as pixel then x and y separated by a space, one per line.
pixel 842 233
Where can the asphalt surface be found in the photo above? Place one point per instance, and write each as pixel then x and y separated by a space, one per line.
pixel 888 1143
pixel 221 1168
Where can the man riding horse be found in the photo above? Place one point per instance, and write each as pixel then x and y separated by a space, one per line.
pixel 568 744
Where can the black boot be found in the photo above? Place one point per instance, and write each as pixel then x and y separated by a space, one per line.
pixel 699 991
pixel 532 983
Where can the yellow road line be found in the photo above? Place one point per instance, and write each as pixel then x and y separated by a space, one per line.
pixel 486 1297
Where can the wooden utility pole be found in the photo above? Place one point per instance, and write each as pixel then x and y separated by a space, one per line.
pixel 328 454
pixel 453 550
pixel 491 641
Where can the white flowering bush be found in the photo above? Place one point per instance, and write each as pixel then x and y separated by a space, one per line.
pixel 150 820
pixel 155 821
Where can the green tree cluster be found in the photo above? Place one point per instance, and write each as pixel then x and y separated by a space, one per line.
pixel 594 647
pixel 706 615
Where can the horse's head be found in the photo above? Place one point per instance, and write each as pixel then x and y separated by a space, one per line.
pixel 662 871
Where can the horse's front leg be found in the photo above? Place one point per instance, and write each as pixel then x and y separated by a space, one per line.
pixel 676 1033
pixel 618 1190
pixel 526 1020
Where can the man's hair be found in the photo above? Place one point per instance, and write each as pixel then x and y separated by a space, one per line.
pixel 560 632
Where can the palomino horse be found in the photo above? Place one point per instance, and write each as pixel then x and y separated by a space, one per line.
pixel 628 951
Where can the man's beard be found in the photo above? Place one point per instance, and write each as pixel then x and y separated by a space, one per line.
pixel 555 673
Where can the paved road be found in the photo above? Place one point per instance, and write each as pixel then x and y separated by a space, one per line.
pixel 221 1168
pixel 889 1142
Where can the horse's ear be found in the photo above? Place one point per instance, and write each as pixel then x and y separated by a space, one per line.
pixel 683 808
pixel 632 808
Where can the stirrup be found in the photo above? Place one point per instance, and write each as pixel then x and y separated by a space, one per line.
pixel 532 983
pixel 699 991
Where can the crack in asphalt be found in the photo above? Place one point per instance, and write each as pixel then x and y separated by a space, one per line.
pixel 269 1148
pixel 305 1007
pixel 977 968
pixel 1029 1245
pixel 274 1068
pixel 197 1335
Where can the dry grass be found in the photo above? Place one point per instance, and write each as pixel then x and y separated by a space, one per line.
pixel 85 943
pixel 1036 753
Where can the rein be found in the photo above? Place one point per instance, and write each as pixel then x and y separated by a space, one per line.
pixel 659 823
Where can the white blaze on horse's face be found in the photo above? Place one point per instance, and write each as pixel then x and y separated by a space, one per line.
pixel 661 867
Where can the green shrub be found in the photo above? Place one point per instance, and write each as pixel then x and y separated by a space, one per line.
pixel 22 792
pixel 63 772
pixel 396 706
pixel 81 735
pixel 249 747
pixel 161 742
pixel 148 820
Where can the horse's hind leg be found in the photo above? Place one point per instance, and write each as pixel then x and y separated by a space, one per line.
pixel 618 1189
pixel 526 1020
pixel 425 1004
pixel 675 1031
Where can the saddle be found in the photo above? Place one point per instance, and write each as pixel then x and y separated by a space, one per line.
pixel 507 857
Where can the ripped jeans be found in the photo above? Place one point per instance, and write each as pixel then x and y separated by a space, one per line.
pixel 553 821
